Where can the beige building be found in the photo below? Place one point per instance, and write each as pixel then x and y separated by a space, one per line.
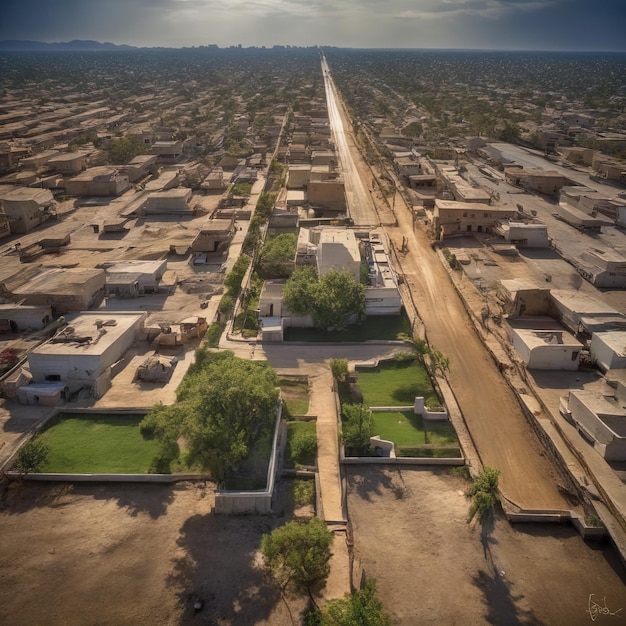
pixel 27 207
pixel 546 182
pixel 456 218
pixel 171 201
pixel 64 290
pixel 327 194
pixel 214 236
pixel 142 165
pixel 69 162
pixel 98 181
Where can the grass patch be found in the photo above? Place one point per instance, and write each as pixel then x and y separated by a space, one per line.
pixel 304 492
pixel 385 327
pixel 395 383
pixel 295 394
pixel 102 444
pixel 293 429
pixel 406 429
pixel 213 335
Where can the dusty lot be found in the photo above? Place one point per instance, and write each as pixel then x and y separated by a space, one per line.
pixel 132 554
pixel 431 567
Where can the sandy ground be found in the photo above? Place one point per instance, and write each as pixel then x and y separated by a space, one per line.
pixel 132 554
pixel 431 567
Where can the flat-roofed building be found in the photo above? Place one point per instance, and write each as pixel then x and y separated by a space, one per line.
pixel 215 236
pixel 65 290
pixel 81 354
pixel 601 418
pixel 129 279
pixel 547 182
pixel 523 234
pixel 167 151
pixel 171 201
pixel 27 207
pixel 98 181
pixel 18 317
pixel 456 218
pixel 543 344
pixel 603 268
pixel 608 349
pixel 142 165
pixel 69 162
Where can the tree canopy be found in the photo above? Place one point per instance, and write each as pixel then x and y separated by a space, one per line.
pixel 298 553
pixel 223 407
pixel 361 608
pixel 331 299
pixel 484 494
pixel 277 257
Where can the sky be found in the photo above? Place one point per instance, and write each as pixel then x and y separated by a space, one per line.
pixel 472 24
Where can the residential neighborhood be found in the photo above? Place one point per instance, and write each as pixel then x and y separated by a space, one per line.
pixel 247 291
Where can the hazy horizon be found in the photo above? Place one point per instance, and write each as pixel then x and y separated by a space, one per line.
pixel 489 25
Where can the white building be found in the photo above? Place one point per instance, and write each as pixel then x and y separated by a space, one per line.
pixel 601 418
pixel 82 353
pixel 15 317
pixel 523 234
pixel 542 344
pixel 608 349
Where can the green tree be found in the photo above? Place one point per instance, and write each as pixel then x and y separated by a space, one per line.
pixel 484 494
pixel 361 608
pixel 233 279
pixel 331 299
pixel 265 204
pixel 303 446
pixel 31 456
pixel 356 427
pixel 125 149
pixel 298 553
pixel 224 405
pixel 339 369
pixel 277 258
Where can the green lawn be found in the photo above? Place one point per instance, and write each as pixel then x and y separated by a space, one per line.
pixel 385 327
pixel 295 394
pixel 413 438
pixel 101 444
pixel 395 383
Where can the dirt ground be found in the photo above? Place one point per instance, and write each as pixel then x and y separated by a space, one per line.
pixel 431 567
pixel 133 554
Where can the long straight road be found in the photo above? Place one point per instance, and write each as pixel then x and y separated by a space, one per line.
pixel 358 197
pixel 502 435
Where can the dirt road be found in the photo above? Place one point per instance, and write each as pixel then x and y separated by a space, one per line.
pixel 502 435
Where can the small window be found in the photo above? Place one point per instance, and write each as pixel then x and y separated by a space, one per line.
pixel 575 355
pixel 53 377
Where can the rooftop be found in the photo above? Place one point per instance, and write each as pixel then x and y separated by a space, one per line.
pixel 59 281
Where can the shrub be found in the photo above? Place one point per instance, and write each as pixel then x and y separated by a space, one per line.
pixel 303 492
pixel 303 446
pixel 31 456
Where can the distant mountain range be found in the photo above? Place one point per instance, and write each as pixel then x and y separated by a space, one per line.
pixel 17 45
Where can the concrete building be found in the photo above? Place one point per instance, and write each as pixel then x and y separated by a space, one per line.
pixel 170 202
pixel 582 313
pixel 601 418
pixel 214 181
pixel 327 195
pixel 129 279
pixel 608 349
pixel 214 236
pixel 298 176
pixel 609 168
pixel 458 218
pixel 523 234
pixel 141 166
pixel 603 268
pixel 26 207
pixel 543 344
pixel 64 290
pixel 382 296
pixel 580 219
pixel 579 156
pixel 167 151
pixel 522 298
pixel 329 248
pixel 39 160
pixel 18 317
pixel 5 226
pixel 69 162
pixel 547 182
pixel 98 181
pixel 82 353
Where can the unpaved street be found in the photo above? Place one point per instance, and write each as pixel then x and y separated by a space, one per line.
pixel 495 420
